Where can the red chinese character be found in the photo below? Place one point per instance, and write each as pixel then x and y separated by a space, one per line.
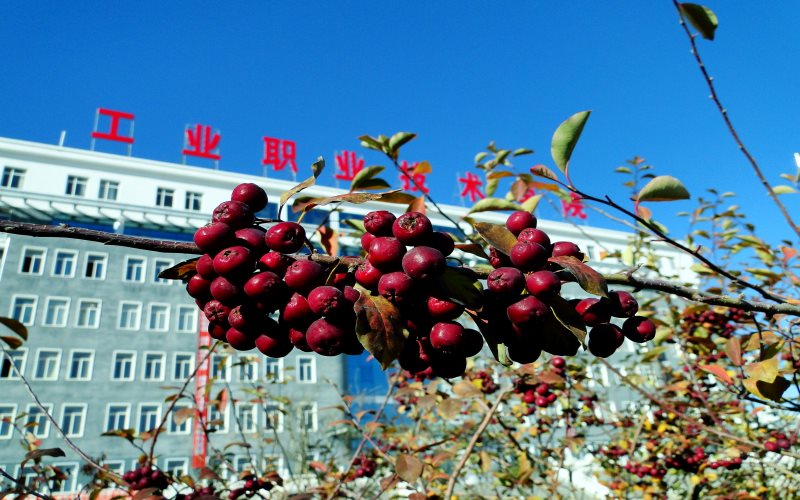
pixel 471 187
pixel 574 208
pixel 202 142
pixel 113 133
pixel 408 176
pixel 348 165
pixel 278 153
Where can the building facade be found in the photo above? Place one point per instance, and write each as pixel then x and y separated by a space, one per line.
pixel 110 342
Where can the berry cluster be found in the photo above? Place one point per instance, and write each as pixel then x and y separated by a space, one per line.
pixel 485 382
pixel 404 258
pixel 688 460
pixel 641 470
pixel 366 467
pixel 732 464
pixel 720 322
pixel 145 476
pixel 525 283
pixel 778 441
pixel 197 494
pixel 251 486
pixel 246 274
pixel 535 395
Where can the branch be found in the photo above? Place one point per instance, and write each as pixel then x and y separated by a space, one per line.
pixel 451 483
pixel 22 486
pixel 724 113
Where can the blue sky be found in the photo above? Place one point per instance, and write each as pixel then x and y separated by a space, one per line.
pixel 458 73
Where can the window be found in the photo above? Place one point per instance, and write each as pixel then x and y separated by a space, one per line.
pixel 47 364
pixel 76 186
pixel 56 311
pixel 130 315
pixel 123 366
pixel 80 365
pixel 248 369
pixel 18 359
pixel 8 413
pixel 308 416
pixel 306 369
pixel 193 201
pixel 108 190
pixel 117 466
pixel 273 417
pixel 187 319
pixel 40 425
pixel 72 418
pixel 247 414
pixel 64 263
pixel 158 266
pixel 32 261
pixel 117 416
pixel 180 421
pixel 95 266
pixel 274 369
pixel 164 197
pixel 184 364
pixel 12 177
pixel 23 309
pixel 153 366
pixel 242 463
pixel 159 317
pixel 88 313
pixel 219 367
pixel 134 269
pixel 217 420
pixel 176 466
pixel 65 482
pixel 149 416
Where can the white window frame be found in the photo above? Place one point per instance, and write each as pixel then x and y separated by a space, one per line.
pixel 162 195
pixel 215 362
pixel 168 466
pixel 192 319
pixel 255 368
pixel 267 411
pixel 62 251
pixel 35 305
pixel 76 183
pixel 86 258
pixel 137 324
pixel 11 416
pixel 165 324
pixel 107 186
pixel 42 263
pixel 56 370
pixel 167 263
pixel 23 354
pixel 184 428
pixel 39 432
pixel 128 259
pixel 72 353
pixel 312 405
pixel 163 357
pixel 192 199
pixel 175 365
pixel 127 416
pixel 12 173
pixel 132 376
pixel 313 363
pixel 67 303
pixel 69 485
pixel 84 407
pixel 157 419
pixel 280 371
pixel 251 408
pixel 96 324
pixel 225 417
pixel 117 466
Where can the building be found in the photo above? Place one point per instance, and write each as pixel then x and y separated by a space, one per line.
pixel 106 334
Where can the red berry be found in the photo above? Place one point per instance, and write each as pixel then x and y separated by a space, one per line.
pixel 498 259
pixel 226 291
pixel 304 275
pixel 534 235
pixel 593 311
pixel 529 309
pixel 379 222
pixel 368 276
pixel 506 282
pixel 297 312
pixel 217 311
pixel 233 213
pixel 528 256
pixel 239 340
pixel 275 262
pixel 520 220
pixel 327 300
pixel 423 263
pixel 366 241
pixel 234 261
pixel 447 336
pixel 604 339
pixel 264 286
pixel 286 237
pixel 639 329
pixel 386 253
pixel 326 338
pixel 252 238
pixel 558 362
pixel 412 228
pixel 396 287
pixel 199 288
pixel 567 249
pixel 274 347
pixel 213 237
pixel 205 267
pixel 442 242
pixel 443 309
pixel 622 304
pixel 251 195
pixel 543 284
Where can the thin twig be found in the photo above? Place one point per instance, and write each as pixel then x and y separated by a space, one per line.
pixel 451 483
pixel 22 486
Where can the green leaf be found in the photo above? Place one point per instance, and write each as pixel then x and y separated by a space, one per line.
pixel 568 317
pixel 371 184
pixel 566 137
pixel 364 174
pixel 531 203
pixel 370 142
pixel 654 353
pixel 496 235
pixel 473 249
pixel 181 271
pixel 398 198
pixel 543 171
pixel 356 224
pixel 622 170
pixel 480 157
pixel 408 467
pixel 663 188
pixel 463 286
pixel 522 151
pixel 783 189
pixel 316 169
pixel 398 139
pixel 489 204
pixel 702 18
pixel 589 279
pixel 379 327
pixel 15 326
pixel 355 198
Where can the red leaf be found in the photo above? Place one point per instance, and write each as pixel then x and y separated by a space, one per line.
pixel 378 327
pixel 718 372
pixel 589 279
